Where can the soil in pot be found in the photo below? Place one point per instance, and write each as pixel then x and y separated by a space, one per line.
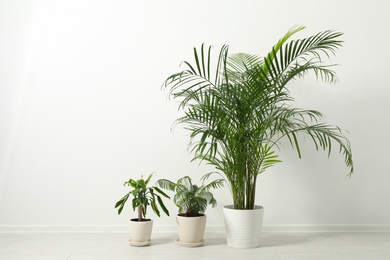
pixel 142 220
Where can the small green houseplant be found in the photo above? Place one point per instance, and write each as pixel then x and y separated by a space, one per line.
pixel 239 110
pixel 192 201
pixel 143 196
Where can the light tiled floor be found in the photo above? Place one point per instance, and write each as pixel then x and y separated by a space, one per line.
pixel 275 245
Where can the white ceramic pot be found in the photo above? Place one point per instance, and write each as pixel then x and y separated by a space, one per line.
pixel 140 232
pixel 190 230
pixel 243 227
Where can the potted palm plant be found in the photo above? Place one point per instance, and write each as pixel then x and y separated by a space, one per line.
pixel 239 109
pixel 143 196
pixel 192 201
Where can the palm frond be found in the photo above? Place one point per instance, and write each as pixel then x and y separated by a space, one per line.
pixel 238 118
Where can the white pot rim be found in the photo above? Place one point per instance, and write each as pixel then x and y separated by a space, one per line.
pixel 231 207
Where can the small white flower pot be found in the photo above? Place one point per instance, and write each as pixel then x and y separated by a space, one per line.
pixel 140 232
pixel 190 230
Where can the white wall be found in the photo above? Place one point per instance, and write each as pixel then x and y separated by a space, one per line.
pixel 81 108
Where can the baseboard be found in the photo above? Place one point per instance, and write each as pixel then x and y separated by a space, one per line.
pixel 326 228
pixel 62 229
pixel 169 229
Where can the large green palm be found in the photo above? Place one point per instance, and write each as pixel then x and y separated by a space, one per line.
pixel 239 110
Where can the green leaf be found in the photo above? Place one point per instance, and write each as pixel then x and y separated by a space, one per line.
pixel 161 192
pixel 161 203
pixel 148 179
pixel 121 203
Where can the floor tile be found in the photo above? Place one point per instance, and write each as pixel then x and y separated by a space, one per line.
pixel 274 246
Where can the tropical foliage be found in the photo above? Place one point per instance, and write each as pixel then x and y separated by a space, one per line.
pixel 143 196
pixel 191 199
pixel 239 109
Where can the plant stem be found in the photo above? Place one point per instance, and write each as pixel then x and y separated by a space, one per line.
pixel 139 213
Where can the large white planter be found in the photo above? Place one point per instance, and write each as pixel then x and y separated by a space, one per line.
pixel 140 232
pixel 190 230
pixel 243 227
